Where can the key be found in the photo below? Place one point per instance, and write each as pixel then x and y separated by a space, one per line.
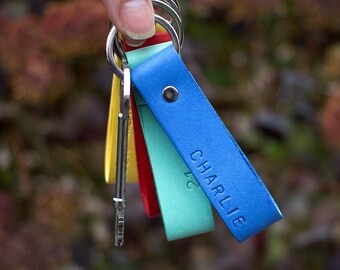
pixel 111 139
pixel 119 201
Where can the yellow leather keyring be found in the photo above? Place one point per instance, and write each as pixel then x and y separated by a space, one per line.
pixel 111 137
pixel 111 140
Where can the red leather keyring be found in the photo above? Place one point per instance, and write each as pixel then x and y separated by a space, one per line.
pixel 145 175
pixel 146 181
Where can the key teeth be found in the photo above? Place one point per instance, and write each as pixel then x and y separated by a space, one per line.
pixel 119 228
pixel 119 240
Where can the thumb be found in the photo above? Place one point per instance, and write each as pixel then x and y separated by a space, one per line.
pixel 133 18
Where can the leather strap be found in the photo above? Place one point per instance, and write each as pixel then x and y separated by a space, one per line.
pixel 111 141
pixel 185 209
pixel 205 144
pixel 146 181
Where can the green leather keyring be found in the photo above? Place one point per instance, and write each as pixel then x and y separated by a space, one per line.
pixel 185 209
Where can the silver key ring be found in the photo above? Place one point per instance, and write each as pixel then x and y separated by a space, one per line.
pixel 172 8
pixel 111 50
pixel 174 4
pixel 174 13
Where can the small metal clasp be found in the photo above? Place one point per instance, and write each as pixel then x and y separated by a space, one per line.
pixel 119 201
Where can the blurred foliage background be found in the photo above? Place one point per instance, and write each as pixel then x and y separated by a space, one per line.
pixel 270 68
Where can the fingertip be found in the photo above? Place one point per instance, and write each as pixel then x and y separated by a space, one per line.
pixel 137 20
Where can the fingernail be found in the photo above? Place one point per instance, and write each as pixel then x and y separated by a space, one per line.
pixel 137 19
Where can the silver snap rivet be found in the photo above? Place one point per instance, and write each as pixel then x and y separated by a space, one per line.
pixel 170 94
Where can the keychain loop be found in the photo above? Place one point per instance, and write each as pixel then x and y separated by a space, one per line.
pixel 174 4
pixel 112 47
pixel 118 48
pixel 173 11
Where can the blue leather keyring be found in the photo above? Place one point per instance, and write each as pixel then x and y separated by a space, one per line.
pixel 205 144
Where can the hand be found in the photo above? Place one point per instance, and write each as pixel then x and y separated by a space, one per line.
pixel 133 18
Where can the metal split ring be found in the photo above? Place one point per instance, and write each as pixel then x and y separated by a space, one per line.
pixel 114 48
pixel 173 10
